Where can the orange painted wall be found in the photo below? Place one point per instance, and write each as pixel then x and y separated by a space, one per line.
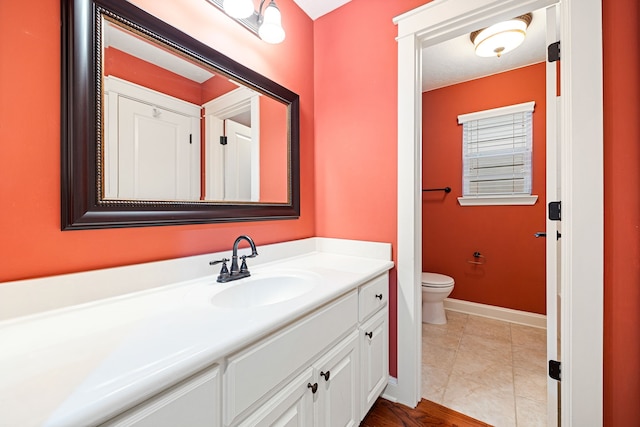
pixel 32 244
pixel 622 213
pixel 513 275
pixel 356 72
pixel 216 86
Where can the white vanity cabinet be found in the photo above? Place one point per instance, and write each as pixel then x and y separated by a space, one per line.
pixel 338 377
pixel 194 402
pixel 325 395
pixel 372 296
pixel 325 369
pixel 292 406
pixel 335 359
pixel 374 341
pixel 254 374
pixel 374 364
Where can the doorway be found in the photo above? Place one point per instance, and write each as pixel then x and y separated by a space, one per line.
pixel 232 166
pixel 582 186
pixel 493 370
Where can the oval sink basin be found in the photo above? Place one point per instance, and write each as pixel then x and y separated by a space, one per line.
pixel 257 291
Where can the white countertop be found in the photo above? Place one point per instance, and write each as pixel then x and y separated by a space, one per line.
pixel 83 364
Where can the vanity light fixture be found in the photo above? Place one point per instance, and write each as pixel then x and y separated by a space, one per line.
pixel 239 9
pixel 502 37
pixel 270 23
pixel 266 22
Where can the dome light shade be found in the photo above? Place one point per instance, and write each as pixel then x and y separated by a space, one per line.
pixel 238 9
pixel 270 29
pixel 502 37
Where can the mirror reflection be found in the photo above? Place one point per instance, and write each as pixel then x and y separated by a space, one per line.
pixel 179 130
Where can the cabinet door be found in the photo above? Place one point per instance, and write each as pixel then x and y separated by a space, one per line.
pixel 338 377
pixel 254 373
pixel 291 407
pixel 374 359
pixel 194 402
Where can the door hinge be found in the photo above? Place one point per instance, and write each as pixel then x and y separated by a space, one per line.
pixel 554 370
pixel 554 211
pixel 553 52
pixel 223 140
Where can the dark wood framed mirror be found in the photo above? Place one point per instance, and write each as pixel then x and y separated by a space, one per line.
pixel 104 185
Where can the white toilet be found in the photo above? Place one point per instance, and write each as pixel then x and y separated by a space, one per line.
pixel 435 288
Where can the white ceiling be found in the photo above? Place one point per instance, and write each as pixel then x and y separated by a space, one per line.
pixel 454 61
pixel 317 8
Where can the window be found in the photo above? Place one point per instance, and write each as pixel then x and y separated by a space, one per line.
pixel 496 156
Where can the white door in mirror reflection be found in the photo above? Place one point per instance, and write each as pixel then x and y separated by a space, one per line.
pixel 237 164
pixel 156 148
pixel 152 147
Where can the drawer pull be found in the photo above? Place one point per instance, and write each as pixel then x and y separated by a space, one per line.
pixel 325 375
pixel 369 334
pixel 313 387
pixel 379 296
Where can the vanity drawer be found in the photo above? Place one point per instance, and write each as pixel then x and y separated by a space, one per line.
pixel 254 372
pixel 193 402
pixel 373 296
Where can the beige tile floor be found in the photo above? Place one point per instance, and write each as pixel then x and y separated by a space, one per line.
pixel 488 369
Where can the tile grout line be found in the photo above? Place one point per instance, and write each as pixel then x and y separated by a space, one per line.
pixel 455 356
pixel 513 376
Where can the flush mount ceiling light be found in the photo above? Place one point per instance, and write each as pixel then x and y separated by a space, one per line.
pixel 266 22
pixel 502 37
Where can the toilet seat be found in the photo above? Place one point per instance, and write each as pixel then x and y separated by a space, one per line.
pixel 435 280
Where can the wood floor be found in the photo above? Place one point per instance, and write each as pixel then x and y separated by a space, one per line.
pixel 428 414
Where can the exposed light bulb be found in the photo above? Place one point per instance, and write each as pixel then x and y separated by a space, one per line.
pixel 270 29
pixel 239 9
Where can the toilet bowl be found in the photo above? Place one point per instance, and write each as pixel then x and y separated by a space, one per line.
pixel 435 288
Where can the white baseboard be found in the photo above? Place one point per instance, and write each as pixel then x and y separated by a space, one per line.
pixel 391 390
pixel 500 313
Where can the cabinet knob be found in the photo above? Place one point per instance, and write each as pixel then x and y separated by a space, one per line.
pixel 313 387
pixel 369 334
pixel 379 296
pixel 325 375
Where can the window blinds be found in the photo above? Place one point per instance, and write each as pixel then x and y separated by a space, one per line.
pixel 497 151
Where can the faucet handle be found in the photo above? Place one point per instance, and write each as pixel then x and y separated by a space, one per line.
pixel 243 266
pixel 224 271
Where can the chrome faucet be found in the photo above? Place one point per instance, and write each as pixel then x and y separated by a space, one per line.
pixel 236 272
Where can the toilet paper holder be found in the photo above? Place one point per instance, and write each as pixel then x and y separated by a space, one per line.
pixel 479 259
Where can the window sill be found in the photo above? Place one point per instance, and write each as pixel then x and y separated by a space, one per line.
pixel 498 200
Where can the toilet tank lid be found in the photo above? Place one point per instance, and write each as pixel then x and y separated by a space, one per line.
pixel 435 279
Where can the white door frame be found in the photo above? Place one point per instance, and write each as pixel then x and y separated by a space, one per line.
pixel 581 136
pixel 552 193
pixel 215 112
